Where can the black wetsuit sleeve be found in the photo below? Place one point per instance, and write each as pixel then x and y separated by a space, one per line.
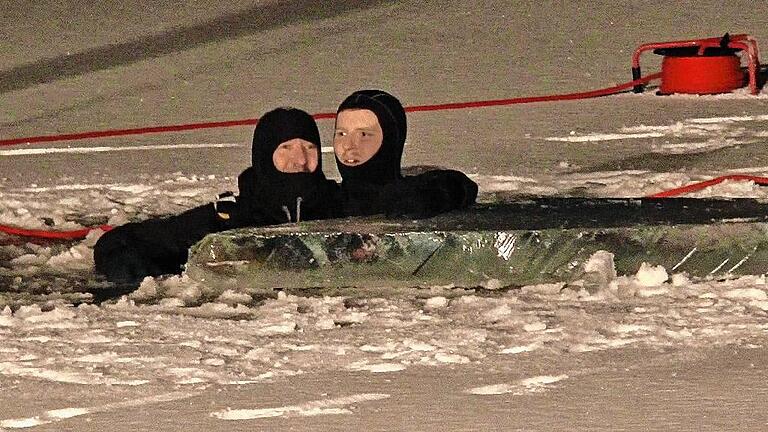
pixel 421 196
pixel 449 189
pixel 153 247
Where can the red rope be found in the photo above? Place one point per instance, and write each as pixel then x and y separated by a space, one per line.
pixel 707 183
pixel 58 235
pixel 319 116
pixel 531 99
pixel 81 233
pixel 123 132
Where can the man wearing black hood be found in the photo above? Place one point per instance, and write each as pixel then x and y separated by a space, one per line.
pixel 284 184
pixel 368 141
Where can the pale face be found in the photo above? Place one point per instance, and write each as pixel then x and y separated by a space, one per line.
pixel 358 136
pixel 295 156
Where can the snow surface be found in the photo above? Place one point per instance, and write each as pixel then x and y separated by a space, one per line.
pixel 154 351
pixel 119 343
pixel 236 339
pixel 169 332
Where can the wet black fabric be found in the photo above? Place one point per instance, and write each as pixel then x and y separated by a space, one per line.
pixel 155 247
pixel 378 187
pixel 416 197
pixel 257 202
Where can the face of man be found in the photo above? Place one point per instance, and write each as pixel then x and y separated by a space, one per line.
pixel 295 156
pixel 358 136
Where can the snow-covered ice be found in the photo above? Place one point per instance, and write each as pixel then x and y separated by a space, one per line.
pixel 171 333
pixel 235 339
pixel 561 356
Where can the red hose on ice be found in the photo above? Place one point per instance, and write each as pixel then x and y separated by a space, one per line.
pixel 707 183
pixel 81 233
pixel 53 235
pixel 319 116
pixel 531 99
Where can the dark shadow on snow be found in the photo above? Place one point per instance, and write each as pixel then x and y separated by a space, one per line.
pixel 246 22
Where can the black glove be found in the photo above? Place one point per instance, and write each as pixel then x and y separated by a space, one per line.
pixel 408 200
pixel 453 187
pixel 122 257
pixel 429 194
pixel 153 247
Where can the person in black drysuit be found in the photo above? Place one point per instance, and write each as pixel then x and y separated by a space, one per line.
pixel 285 138
pixel 368 141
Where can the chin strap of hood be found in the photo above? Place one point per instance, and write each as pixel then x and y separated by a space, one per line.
pixel 384 166
pixel 283 195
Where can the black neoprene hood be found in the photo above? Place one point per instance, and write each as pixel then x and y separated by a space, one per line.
pixel 384 166
pixel 281 194
pixel 276 127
